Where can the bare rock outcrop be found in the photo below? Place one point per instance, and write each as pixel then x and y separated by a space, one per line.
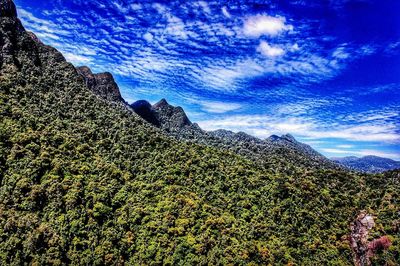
pixel 103 84
pixel 363 249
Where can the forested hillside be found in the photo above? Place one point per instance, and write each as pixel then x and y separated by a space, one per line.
pixel 85 181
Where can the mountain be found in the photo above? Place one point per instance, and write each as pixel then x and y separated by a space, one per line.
pixel 144 109
pixel 174 121
pixel 85 181
pixel 102 84
pixel 368 164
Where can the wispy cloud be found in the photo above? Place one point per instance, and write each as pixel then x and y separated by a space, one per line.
pixel 77 59
pixel 345 146
pixel 266 125
pixel 225 12
pixel 212 106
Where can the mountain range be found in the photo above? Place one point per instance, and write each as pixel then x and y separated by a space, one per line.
pixel 86 179
pixel 174 121
pixel 368 164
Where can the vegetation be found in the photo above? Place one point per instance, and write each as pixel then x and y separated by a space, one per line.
pixel 84 181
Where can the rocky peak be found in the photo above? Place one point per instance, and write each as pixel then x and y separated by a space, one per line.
pixel 162 103
pixel 284 138
pixel 103 84
pixel 144 109
pixel 18 50
pixel 274 138
pixel 7 9
pixel 85 71
pixel 288 137
pixel 163 115
pixel 170 117
pixel 141 104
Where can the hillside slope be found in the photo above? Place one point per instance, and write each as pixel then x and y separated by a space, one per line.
pixel 85 181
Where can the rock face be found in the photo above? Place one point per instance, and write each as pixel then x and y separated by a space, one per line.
pixel 20 50
pixel 169 118
pixel 289 141
pixel 368 164
pixel 144 109
pixel 363 249
pixel 7 8
pixel 103 84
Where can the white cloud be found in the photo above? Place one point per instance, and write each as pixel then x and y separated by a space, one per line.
pixel 218 107
pixel 204 6
pixel 161 9
pixel 270 51
pixel 148 37
pixel 77 59
pixel 264 125
pixel 225 77
pixel 136 6
pixel 295 47
pixel 225 12
pixel 256 26
pixel 41 26
pixel 120 7
pixel 176 27
pixel 340 53
pixel 345 146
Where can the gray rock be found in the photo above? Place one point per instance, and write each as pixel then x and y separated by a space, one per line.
pixel 7 9
pixel 103 84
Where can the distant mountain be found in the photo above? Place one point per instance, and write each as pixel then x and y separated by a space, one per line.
pixel 174 121
pixel 368 164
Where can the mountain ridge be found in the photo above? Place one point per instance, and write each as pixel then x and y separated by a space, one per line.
pixel 368 164
pixel 174 121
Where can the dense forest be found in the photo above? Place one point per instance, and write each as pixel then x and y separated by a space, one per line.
pixel 85 181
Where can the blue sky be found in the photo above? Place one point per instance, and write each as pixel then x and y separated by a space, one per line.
pixel 328 72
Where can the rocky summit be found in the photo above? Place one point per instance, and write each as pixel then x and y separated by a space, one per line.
pixel 163 115
pixel 144 109
pixel 103 84
pixel 7 8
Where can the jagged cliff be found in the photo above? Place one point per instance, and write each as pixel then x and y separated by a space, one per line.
pixel 102 84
